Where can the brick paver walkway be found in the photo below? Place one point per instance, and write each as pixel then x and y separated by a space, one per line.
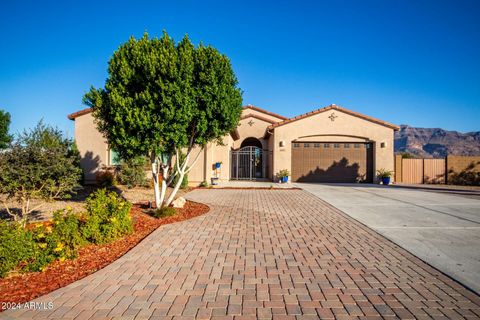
pixel 281 254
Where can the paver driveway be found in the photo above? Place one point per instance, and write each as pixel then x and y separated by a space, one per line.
pixel 442 229
pixel 263 254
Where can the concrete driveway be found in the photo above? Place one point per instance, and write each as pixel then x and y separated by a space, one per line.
pixel 440 228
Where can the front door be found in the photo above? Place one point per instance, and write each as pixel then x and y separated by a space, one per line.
pixel 247 163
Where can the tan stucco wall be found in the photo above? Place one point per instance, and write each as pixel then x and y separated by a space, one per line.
pixel 311 127
pixel 212 153
pixel 92 146
pixel 256 130
pixel 94 150
pixel 197 173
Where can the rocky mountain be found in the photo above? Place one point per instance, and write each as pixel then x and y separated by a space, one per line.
pixel 436 142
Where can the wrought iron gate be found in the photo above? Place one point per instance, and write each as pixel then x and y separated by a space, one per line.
pixel 248 163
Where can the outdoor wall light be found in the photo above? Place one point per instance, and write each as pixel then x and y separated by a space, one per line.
pixel 282 144
pixel 383 145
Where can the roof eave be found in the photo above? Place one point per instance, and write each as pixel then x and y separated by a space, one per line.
pixel 77 114
pixel 334 107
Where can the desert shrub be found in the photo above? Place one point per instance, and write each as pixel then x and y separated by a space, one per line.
pixel 67 232
pixel 105 178
pixel 16 246
pixel 132 172
pixel 107 217
pixel 58 241
pixel 39 164
pixel 164 212
pixel 33 248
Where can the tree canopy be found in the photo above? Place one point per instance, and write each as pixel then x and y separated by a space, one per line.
pixel 161 96
pixel 5 138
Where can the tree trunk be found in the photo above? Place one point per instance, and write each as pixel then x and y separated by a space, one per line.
pixel 175 188
pixel 156 188
pixel 164 185
pixel 182 170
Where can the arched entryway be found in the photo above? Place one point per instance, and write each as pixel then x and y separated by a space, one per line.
pixel 248 162
pixel 251 142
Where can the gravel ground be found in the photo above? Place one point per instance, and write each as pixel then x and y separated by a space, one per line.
pixel 77 202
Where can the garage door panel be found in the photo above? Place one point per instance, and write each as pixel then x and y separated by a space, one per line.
pixel 331 162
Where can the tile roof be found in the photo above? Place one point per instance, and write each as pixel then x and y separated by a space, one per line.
pixel 265 111
pixel 72 116
pixel 256 116
pixel 333 107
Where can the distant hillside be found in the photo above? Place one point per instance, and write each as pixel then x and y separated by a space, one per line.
pixel 436 143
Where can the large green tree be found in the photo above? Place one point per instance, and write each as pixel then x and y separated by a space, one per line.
pixel 162 98
pixel 5 138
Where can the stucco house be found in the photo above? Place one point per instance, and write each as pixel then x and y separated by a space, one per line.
pixel 331 144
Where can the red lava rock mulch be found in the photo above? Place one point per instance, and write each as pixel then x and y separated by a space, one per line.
pixel 21 288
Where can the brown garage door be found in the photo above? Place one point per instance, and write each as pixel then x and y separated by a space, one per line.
pixel 332 162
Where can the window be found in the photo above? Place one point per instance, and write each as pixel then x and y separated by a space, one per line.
pixel 356 145
pixel 113 158
pixel 306 145
pixel 367 146
pixel 346 145
pixel 296 145
pixel 326 145
pixel 336 145
pixel 316 145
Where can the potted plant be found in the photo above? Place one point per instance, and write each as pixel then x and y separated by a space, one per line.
pixel 385 176
pixel 283 175
pixel 218 165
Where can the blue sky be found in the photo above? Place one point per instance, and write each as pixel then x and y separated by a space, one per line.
pixel 406 62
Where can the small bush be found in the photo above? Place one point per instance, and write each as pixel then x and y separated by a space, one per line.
pixel 283 173
pixel 164 212
pixel 16 246
pixel 132 173
pixel 59 241
pixel 203 184
pixel 106 178
pixel 107 217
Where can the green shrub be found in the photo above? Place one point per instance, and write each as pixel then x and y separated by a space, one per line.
pixel 132 173
pixel 106 178
pixel 164 212
pixel 203 184
pixel 16 246
pixel 40 164
pixel 45 248
pixel 107 217
pixel 57 242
